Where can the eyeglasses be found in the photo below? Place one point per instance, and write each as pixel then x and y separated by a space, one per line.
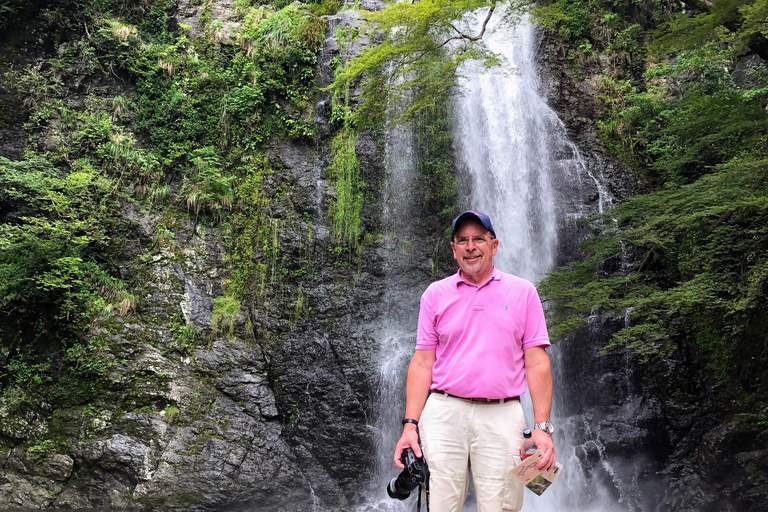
pixel 477 240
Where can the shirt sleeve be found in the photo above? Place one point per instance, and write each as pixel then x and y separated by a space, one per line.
pixel 426 334
pixel 535 333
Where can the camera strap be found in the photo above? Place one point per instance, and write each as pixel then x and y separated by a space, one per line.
pixel 424 485
pixel 425 488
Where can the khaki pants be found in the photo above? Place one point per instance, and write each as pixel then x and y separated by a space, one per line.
pixel 456 435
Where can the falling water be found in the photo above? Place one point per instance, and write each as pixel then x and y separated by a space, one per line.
pixel 400 312
pixel 530 179
pixel 513 154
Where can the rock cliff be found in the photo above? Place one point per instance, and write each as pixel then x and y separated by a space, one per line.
pixel 659 423
pixel 269 413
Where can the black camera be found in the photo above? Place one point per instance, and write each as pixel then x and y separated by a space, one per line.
pixel 416 472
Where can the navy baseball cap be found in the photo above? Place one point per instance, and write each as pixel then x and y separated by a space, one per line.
pixel 471 214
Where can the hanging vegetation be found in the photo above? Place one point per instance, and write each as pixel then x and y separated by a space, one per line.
pixel 686 264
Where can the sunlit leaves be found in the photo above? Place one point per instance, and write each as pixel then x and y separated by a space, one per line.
pixel 424 44
pixel 344 171
pixel 49 247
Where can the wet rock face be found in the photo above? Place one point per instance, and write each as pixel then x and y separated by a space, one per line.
pixel 661 422
pixel 572 96
pixel 273 416
pixel 189 13
pixel 178 427
pixel 26 478
pixel 721 466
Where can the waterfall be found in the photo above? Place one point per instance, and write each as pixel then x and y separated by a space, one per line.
pixel 518 166
pixel 530 179
pixel 397 332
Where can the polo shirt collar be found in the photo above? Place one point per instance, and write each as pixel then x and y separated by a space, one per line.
pixel 495 276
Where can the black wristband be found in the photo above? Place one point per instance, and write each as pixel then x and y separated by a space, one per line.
pixel 409 420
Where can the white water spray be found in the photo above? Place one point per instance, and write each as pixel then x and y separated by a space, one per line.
pixel 525 173
pixel 400 311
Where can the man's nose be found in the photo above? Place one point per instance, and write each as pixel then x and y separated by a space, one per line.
pixel 470 244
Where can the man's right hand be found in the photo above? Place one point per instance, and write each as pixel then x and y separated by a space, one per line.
pixel 409 439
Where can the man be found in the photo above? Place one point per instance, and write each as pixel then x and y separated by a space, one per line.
pixel 481 335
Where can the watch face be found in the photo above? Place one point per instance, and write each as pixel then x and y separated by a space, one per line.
pixel 546 426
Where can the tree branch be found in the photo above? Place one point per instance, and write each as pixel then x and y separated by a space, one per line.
pixel 646 259
pixel 462 35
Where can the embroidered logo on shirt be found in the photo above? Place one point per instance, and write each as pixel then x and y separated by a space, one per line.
pixel 505 307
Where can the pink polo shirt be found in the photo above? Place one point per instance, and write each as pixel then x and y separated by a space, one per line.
pixel 479 333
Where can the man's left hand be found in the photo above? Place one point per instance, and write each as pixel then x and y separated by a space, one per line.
pixel 547 448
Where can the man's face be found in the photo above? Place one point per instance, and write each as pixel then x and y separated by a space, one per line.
pixel 474 249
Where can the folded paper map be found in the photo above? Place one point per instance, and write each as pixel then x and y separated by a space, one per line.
pixel 534 479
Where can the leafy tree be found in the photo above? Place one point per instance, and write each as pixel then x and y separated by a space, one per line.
pixel 684 265
pixel 743 18
pixel 53 237
pixel 424 44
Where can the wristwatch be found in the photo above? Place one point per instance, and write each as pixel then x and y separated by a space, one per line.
pixel 546 426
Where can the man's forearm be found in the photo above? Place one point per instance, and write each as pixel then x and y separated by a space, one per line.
pixel 539 375
pixel 419 382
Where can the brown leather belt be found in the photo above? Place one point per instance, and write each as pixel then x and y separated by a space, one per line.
pixel 479 400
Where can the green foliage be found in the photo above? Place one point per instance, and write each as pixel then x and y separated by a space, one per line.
pixel 208 186
pixel 568 18
pixel 42 449
pixel 424 45
pixel 54 278
pixel 703 247
pixel 184 338
pixel 9 9
pixel 119 31
pixel 249 239
pixel 684 265
pixel 324 7
pixel 679 140
pixel 34 85
pixel 739 23
pixel 185 136
pixel 437 185
pixel 257 265
pixel 754 23
pixel 344 172
pixel 617 30
pixel 171 413
pixel 210 93
pixel 225 311
pixel 155 25
pixel 49 251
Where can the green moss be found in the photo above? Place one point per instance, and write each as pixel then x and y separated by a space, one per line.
pixel 225 311
pixel 184 338
pixel 171 413
pixel 42 449
pixel 183 143
pixel 344 172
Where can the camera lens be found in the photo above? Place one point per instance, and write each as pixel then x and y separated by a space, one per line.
pixel 395 491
